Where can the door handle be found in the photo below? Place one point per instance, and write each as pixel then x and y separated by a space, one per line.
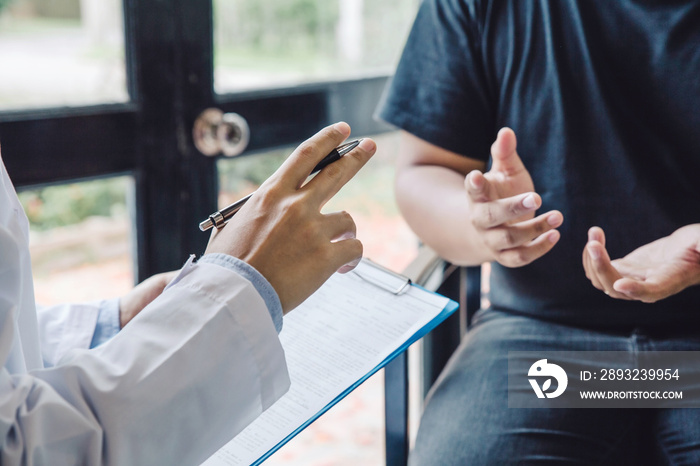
pixel 216 132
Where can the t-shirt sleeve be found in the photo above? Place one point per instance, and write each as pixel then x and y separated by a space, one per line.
pixel 439 92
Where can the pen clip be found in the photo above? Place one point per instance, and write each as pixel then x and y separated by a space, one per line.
pixel 343 148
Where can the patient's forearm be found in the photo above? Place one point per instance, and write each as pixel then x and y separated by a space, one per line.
pixel 434 203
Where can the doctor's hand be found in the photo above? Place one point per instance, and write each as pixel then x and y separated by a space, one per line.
pixel 502 205
pixel 650 273
pixel 281 231
pixel 141 296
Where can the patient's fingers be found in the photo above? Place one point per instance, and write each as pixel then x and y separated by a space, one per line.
pixel 501 211
pixel 512 236
pixel 523 255
pixel 479 188
pixel 603 274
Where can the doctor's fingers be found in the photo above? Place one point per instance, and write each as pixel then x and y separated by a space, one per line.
pixel 328 182
pixel 523 255
pixel 341 231
pixel 299 164
pixel 345 254
pixel 332 243
pixel 512 236
pixel 338 226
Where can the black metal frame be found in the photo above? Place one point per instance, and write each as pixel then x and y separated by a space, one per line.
pixel 169 54
pixel 462 284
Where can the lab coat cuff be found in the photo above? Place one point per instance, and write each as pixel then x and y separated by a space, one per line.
pixel 108 322
pixel 184 271
pixel 262 286
pixel 66 327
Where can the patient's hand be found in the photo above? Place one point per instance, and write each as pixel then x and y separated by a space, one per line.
pixel 652 272
pixel 502 205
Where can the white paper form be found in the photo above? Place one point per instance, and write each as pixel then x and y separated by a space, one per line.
pixel 335 340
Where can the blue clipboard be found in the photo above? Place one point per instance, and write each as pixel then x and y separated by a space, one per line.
pixel 451 307
pixel 370 290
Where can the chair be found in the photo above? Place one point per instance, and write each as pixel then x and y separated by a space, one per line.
pixel 462 284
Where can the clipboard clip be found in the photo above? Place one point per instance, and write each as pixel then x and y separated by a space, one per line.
pixel 380 276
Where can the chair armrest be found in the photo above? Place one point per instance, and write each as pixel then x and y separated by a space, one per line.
pixel 424 266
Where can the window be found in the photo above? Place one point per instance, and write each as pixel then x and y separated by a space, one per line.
pixel 67 52
pixel 282 43
pixel 80 240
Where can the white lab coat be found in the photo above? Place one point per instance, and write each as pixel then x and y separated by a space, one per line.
pixel 189 372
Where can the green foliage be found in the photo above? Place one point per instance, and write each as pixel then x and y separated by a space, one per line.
pixel 278 26
pixel 4 3
pixel 61 205
pixel 241 173
pixel 302 36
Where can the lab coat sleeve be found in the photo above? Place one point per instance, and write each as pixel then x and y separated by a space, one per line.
pixel 188 373
pixel 68 326
pixel 262 286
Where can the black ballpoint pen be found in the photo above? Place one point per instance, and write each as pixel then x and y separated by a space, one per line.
pixel 220 217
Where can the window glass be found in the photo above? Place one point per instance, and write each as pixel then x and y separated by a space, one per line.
pixel 368 197
pixel 275 43
pixel 61 52
pixel 352 432
pixel 80 240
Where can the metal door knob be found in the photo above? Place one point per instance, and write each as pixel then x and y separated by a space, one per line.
pixel 216 132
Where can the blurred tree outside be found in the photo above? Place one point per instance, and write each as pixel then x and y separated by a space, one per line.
pixel 311 34
pixel 3 4
pixel 75 227
pixel 275 26
pixel 62 205
pixel 47 9
pixel 369 192
pixel 61 53
pixel 242 175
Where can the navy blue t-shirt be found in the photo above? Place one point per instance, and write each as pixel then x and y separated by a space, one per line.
pixel 604 98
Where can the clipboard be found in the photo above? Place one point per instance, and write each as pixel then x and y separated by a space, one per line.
pixel 373 311
pixel 382 277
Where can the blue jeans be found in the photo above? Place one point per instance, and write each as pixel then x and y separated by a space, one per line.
pixel 467 420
